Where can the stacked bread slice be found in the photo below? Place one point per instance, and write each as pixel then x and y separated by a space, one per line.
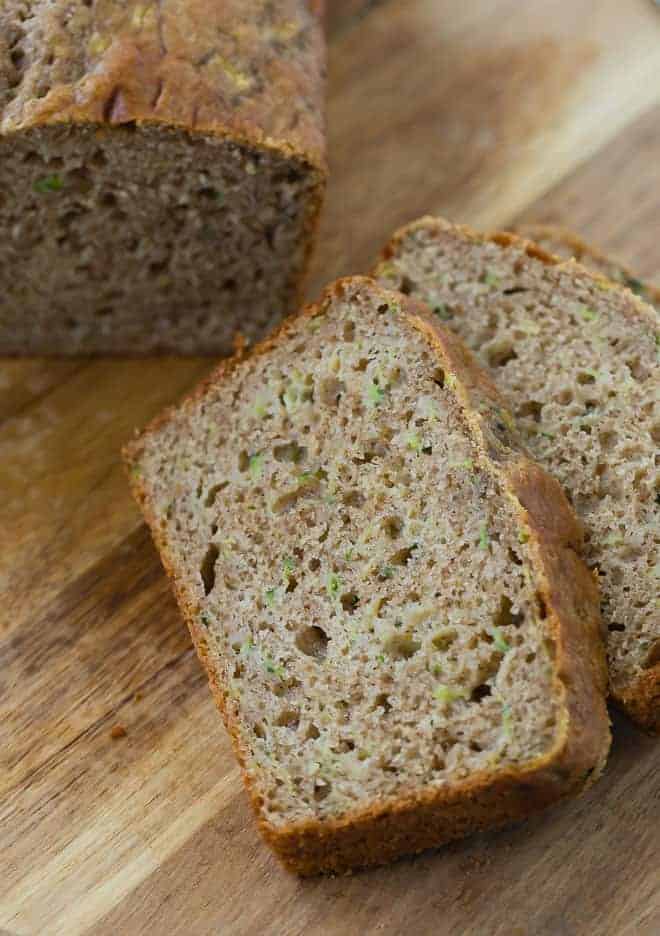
pixel 576 357
pixel 386 589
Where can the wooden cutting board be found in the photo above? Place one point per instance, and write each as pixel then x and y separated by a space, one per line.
pixel 488 111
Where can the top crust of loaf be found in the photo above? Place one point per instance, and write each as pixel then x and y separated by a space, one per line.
pixel 568 598
pixel 253 71
pixel 640 697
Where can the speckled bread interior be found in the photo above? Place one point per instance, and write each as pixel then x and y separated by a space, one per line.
pixel 161 172
pixel 576 356
pixel 385 591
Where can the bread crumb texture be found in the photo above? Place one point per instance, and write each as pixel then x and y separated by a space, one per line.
pixel 135 140
pixel 576 356
pixel 360 584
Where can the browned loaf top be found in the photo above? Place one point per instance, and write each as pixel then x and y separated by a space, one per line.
pixel 577 358
pixel 248 70
pixel 386 592
pixel 162 168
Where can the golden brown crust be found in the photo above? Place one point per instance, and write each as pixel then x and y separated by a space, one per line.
pixel 591 257
pixel 568 599
pixel 509 239
pixel 221 69
pixel 640 699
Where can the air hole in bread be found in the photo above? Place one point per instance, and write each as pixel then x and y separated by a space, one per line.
pixel 312 641
pixel 637 369
pixel 403 556
pixel 331 390
pixel 543 610
pixel 312 732
pixel 349 602
pixel 348 333
pixel 480 692
pixel 207 568
pixel 321 790
pixel 505 617
pixel 353 498
pixel 652 656
pixel 439 377
pixel 444 639
pixel 531 408
pixel 500 354
pixel 287 501
pixel 615 627
pixel 514 557
pixel 213 493
pixel 608 439
pixel 287 718
pixel 585 377
pixel 289 452
pixel 383 701
pixel 392 526
pixel 401 646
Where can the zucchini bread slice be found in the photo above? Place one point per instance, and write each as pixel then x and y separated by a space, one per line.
pixel 576 357
pixel 161 171
pixel 567 245
pixel 385 591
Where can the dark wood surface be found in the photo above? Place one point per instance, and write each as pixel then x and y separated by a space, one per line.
pixel 488 111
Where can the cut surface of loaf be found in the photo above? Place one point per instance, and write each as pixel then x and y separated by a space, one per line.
pixel 384 589
pixel 568 245
pixel 161 168
pixel 577 359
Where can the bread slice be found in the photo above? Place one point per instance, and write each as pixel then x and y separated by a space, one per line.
pixel 386 592
pixel 577 359
pixel 162 167
pixel 567 245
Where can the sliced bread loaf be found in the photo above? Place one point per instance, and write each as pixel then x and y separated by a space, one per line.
pixel 386 592
pixel 576 357
pixel 567 245
pixel 161 171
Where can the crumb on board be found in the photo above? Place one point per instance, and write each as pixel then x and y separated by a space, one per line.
pixel 118 731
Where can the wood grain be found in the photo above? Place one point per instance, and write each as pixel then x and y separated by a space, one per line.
pixel 470 109
pixel 626 223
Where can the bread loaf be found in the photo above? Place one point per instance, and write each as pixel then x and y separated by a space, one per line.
pixel 576 356
pixel 162 168
pixel 385 591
